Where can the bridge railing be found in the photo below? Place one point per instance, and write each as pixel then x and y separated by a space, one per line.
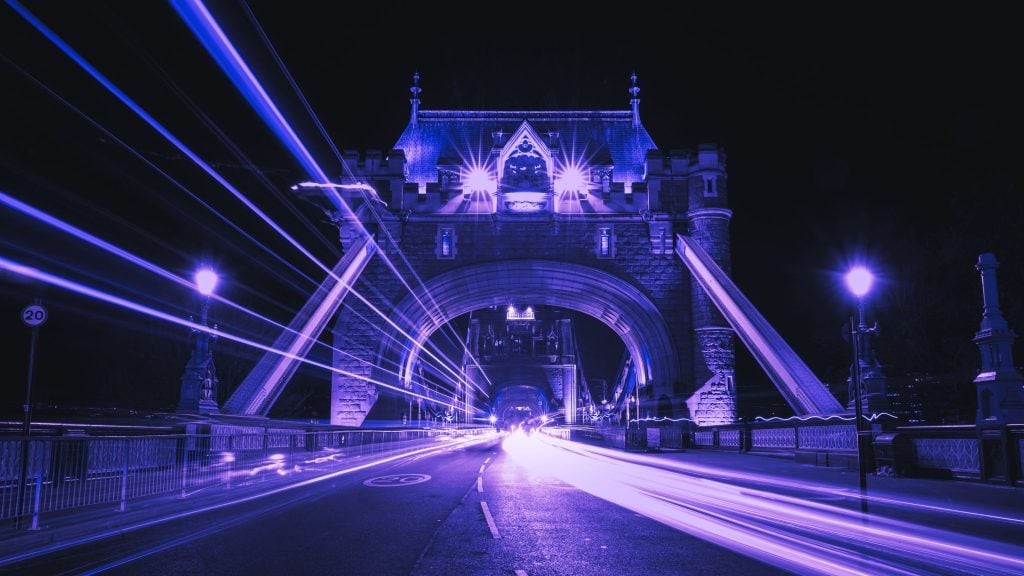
pixel 964 452
pixel 827 442
pixel 70 472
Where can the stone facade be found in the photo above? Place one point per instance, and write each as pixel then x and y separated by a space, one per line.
pixel 614 234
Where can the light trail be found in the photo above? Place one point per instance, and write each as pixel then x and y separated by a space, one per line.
pixel 205 27
pixel 78 288
pixel 775 482
pixel 212 37
pixel 266 107
pixel 792 533
pixel 868 417
pixel 131 104
pixel 360 186
pixel 37 214
pixel 356 186
pixel 365 188
pixel 126 147
pixel 121 531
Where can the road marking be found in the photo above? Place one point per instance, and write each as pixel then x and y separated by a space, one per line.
pixel 479 483
pixel 392 480
pixel 481 469
pixel 490 520
pixel 488 461
pixel 521 573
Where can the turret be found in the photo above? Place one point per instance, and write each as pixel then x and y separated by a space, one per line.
pixel 415 100
pixel 634 102
pixel 1000 386
pixel 708 223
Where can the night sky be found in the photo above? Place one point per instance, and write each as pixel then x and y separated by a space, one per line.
pixel 886 136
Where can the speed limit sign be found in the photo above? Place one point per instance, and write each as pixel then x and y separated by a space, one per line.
pixel 33 315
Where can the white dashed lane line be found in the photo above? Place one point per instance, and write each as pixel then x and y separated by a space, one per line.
pixel 479 483
pixel 482 469
pixel 490 520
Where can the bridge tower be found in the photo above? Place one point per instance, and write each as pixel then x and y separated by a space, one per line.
pixel 708 223
pixel 576 210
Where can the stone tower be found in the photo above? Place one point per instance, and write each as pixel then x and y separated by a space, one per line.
pixel 709 217
pixel 1000 386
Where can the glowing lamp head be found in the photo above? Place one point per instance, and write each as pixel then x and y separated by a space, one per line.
pixel 859 281
pixel 571 179
pixel 206 281
pixel 479 179
pixel 492 418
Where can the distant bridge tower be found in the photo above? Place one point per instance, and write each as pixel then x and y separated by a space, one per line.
pixel 526 359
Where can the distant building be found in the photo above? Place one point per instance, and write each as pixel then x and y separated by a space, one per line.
pixel 931 399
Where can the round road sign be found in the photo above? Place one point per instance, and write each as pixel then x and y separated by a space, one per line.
pixel 33 315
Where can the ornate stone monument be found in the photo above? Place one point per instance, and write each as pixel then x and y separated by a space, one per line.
pixel 1000 386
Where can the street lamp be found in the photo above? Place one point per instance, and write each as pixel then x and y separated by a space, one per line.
pixel 206 281
pixel 199 382
pixel 859 280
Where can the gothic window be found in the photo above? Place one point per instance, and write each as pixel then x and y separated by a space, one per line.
pixel 605 242
pixel 710 186
pixel 445 248
pixel 526 168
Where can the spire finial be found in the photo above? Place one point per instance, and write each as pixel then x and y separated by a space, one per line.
pixel 415 100
pixel 634 102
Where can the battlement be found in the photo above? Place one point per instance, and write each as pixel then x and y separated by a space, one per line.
pixel 373 162
pixel 684 162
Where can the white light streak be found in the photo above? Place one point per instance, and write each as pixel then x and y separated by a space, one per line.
pixel 795 534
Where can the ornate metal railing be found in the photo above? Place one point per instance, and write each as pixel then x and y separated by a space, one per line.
pixel 65 472
pixel 989 453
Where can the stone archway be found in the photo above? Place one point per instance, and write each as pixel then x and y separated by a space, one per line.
pixel 619 305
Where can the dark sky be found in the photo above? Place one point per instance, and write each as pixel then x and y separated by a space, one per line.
pixel 888 134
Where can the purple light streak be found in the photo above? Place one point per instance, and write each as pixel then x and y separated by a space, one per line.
pixel 188 152
pixel 149 266
pixel 801 535
pixel 98 536
pixel 266 108
pixel 227 221
pixel 78 288
pixel 113 89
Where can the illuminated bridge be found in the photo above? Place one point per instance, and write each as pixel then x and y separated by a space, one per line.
pixel 506 210
pixel 461 436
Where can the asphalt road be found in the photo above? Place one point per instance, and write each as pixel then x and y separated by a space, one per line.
pixel 542 506
pixel 393 519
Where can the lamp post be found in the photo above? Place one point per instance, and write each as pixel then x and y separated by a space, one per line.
pixel 859 281
pixel 199 382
